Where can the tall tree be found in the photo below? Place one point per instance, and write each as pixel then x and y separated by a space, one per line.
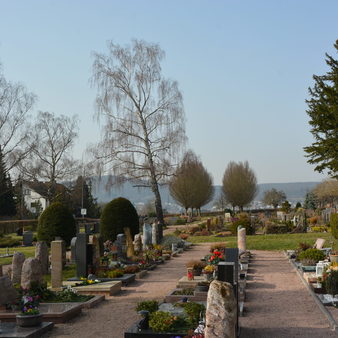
pixel 310 201
pixel 239 184
pixel 323 112
pixel 274 197
pixel 327 192
pixel 15 104
pixel 81 197
pixel 191 186
pixel 144 117
pixel 7 203
pixel 51 159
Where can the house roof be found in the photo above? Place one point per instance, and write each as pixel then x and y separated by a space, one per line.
pixel 43 188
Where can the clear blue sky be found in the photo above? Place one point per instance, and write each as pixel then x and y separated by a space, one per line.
pixel 243 67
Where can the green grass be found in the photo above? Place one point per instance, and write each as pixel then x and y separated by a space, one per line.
pixel 268 242
pixel 28 251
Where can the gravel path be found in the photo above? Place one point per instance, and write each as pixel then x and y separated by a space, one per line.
pixel 115 315
pixel 277 302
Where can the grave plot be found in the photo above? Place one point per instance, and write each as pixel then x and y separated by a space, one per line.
pixel 319 272
pixel 216 298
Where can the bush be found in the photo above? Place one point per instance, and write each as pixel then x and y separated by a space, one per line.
pixel 116 215
pixel 331 282
pixel 168 240
pixel 131 269
pixel 56 221
pixel 181 221
pixel 334 225
pixel 319 228
pixel 314 254
pixel 194 311
pixel 273 228
pixel 115 273
pixel 245 222
pixel 161 321
pixel 8 241
pixel 148 305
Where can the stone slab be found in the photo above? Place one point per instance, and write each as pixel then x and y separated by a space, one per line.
pixel 51 312
pixel 141 274
pixel 125 279
pixel 310 277
pixel 184 283
pixel 196 297
pixel 105 288
pixel 10 330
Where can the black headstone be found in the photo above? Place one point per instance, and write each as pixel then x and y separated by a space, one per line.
pixel 96 229
pixel 27 238
pixel 226 272
pixel 232 255
pixel 81 255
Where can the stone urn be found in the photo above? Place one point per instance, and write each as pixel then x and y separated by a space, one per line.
pixel 28 320
pixel 334 257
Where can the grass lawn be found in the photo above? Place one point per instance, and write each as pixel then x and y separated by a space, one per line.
pixel 28 251
pixel 269 242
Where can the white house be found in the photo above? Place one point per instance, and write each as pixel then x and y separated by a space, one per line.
pixel 34 195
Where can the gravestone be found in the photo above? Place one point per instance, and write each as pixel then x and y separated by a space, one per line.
pixel 173 247
pixel 226 272
pixel 121 246
pixel 147 232
pixel 154 233
pixel 96 228
pixel 96 251
pixel 81 255
pixel 57 264
pixel 129 242
pixel 17 262
pixel 208 226
pixel 8 293
pixel 138 243
pixel 78 228
pixel 73 250
pixel 31 272
pixel 227 217
pixel 241 240
pixel 221 312
pixel 41 253
pixel 27 238
pixel 88 228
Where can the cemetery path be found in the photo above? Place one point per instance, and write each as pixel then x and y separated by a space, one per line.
pixel 277 303
pixel 117 314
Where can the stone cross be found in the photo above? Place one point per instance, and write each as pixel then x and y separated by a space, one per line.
pixel 56 269
pixel 17 262
pixel 241 239
pixel 41 253
pixel 221 313
pixel 31 272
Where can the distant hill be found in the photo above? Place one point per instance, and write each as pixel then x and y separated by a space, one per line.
pixel 294 191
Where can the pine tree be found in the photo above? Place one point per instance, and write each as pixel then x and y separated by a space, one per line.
pixel 323 112
pixel 7 202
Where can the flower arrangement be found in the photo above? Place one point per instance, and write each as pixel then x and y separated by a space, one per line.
pixel 215 257
pixel 85 281
pixel 29 304
pixel 209 269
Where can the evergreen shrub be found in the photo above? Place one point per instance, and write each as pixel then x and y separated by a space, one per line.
pixel 116 215
pixel 56 221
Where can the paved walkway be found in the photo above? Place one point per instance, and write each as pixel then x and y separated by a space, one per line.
pixel 278 304
pixel 115 315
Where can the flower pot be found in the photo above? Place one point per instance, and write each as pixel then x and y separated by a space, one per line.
pixel 334 258
pixel 28 320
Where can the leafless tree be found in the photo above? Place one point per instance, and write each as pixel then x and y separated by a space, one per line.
pixel 326 192
pixel 144 117
pixel 192 185
pixel 15 104
pixel 51 159
pixel 274 197
pixel 239 184
pixel 221 202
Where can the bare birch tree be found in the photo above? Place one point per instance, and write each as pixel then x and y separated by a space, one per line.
pixel 15 104
pixel 143 112
pixel 51 159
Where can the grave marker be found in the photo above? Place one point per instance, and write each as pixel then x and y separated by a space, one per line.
pixel 41 253
pixel 27 238
pixel 17 262
pixel 31 272
pixel 56 268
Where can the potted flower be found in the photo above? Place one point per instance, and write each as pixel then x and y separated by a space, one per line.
pixel 208 271
pixel 197 266
pixel 215 257
pixel 30 314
